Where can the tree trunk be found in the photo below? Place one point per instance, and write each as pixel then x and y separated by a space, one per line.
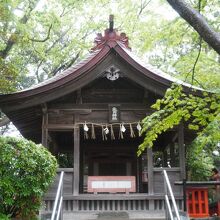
pixel 198 22
pixel 14 36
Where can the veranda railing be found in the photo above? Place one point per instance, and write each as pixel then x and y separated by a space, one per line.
pixel 169 192
pixel 57 213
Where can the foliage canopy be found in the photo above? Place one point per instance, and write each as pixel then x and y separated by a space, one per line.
pixel 199 113
pixel 26 172
pixel 39 39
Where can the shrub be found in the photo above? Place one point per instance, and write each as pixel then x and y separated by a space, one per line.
pixel 199 163
pixel 26 172
pixel 4 217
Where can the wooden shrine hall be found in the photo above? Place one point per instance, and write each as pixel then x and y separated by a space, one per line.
pixel 89 117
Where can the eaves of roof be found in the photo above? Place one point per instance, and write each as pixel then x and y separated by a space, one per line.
pixel 60 79
pixel 86 65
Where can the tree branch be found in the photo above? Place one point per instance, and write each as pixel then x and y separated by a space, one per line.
pixel 198 22
pixel 199 83
pixel 45 39
pixel 57 40
pixel 199 6
pixel 9 45
pixel 143 6
pixel 14 36
pixel 37 71
pixel 197 58
pixel 194 65
pixel 65 65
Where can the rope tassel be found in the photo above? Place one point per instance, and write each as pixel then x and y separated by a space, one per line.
pixel 139 129
pixel 86 136
pixel 132 134
pixel 104 136
pixel 108 129
pixel 85 128
pixel 120 136
pixel 112 133
pixel 93 133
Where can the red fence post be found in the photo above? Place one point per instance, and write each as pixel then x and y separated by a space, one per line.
pixel 197 202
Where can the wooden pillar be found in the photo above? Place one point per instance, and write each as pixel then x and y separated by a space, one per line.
pixel 165 157
pixel 138 173
pixel 76 160
pixel 182 151
pixel 172 155
pixel 150 171
pixel 44 128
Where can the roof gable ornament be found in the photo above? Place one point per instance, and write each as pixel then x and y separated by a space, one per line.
pixel 111 37
pixel 112 73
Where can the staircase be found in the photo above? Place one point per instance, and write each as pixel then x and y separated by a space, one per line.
pixel 114 207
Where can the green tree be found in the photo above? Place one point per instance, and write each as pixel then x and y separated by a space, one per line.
pixel 188 55
pixel 200 158
pixel 197 21
pixel 40 39
pixel 26 172
pixel 201 113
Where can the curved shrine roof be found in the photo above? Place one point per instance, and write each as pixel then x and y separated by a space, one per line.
pixel 104 45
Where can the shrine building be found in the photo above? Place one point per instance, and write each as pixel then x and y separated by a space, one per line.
pixel 89 116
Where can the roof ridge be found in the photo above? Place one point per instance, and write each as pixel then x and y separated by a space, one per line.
pixel 110 36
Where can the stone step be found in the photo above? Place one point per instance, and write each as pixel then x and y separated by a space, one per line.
pixel 82 215
pixel 129 215
pixel 122 215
